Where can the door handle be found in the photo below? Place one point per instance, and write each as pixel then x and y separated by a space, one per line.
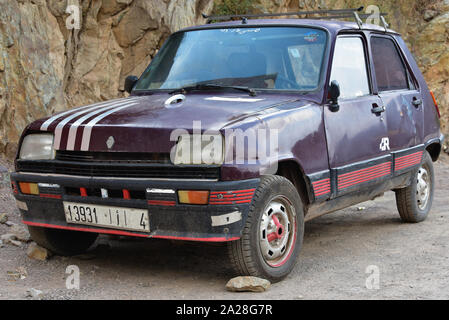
pixel 377 109
pixel 417 102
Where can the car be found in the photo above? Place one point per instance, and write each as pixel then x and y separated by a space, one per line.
pixel 238 132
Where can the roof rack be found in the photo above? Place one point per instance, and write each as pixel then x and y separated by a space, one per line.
pixel 317 14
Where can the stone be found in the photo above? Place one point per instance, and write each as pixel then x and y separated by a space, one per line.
pixel 1 244
pixel 34 293
pixel 16 243
pixel 248 284
pixel 430 14
pixel 3 217
pixel 7 238
pixel 36 252
pixel 67 68
pixel 21 233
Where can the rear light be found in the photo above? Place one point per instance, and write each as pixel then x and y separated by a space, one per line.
pixel 193 197
pixel 29 188
pixel 436 104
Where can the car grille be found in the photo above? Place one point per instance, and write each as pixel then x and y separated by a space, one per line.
pixel 128 169
pixel 121 157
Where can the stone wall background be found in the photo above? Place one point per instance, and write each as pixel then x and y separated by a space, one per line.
pixel 45 68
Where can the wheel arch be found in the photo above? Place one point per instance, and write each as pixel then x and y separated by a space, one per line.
pixel 293 171
pixel 434 149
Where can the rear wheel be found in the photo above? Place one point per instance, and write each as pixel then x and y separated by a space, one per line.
pixel 63 242
pixel 415 201
pixel 273 233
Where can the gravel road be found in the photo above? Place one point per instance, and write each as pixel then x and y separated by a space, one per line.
pixel 339 249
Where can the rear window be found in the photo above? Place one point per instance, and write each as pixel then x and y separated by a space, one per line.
pixel 391 73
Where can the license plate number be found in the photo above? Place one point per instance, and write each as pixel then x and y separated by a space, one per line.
pixel 105 216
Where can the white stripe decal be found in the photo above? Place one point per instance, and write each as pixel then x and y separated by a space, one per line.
pixel 60 126
pixel 74 127
pixel 47 123
pixel 88 127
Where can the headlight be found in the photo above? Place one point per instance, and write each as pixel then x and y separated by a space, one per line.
pixel 199 149
pixel 37 147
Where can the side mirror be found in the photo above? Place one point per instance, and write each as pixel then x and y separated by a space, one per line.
pixel 334 94
pixel 130 82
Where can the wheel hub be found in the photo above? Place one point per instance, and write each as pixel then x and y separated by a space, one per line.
pixel 423 188
pixel 276 232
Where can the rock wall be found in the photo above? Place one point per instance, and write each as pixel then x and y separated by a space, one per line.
pixel 46 67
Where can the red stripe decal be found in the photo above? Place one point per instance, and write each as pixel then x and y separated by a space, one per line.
pixel 106 231
pixel 408 160
pixel 231 197
pixel 230 192
pixel 14 187
pixel 124 233
pixel 323 193
pixel 216 239
pixel 51 196
pixel 420 153
pixel 363 176
pixel 322 187
pixel 321 182
pixel 161 203
pixel 379 166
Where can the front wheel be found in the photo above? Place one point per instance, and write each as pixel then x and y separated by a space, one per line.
pixel 273 233
pixel 415 201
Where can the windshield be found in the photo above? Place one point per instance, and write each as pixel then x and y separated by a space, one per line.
pixel 287 58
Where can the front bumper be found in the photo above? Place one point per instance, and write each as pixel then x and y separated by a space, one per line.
pixel 169 219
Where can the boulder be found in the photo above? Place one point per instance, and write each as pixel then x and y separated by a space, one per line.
pixel 248 284
pixel 36 252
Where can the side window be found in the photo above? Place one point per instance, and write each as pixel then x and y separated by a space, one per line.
pixel 349 67
pixel 391 73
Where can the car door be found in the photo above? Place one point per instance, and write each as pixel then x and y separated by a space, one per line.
pixel 402 99
pixel 357 133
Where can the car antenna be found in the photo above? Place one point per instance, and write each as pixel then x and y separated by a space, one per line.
pixel 358 20
pixel 384 22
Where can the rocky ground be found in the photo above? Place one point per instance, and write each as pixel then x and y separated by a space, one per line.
pixel 412 260
pixel 48 65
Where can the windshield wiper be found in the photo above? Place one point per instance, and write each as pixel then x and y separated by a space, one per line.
pixel 210 86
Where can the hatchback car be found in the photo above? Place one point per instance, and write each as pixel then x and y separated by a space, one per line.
pixel 328 114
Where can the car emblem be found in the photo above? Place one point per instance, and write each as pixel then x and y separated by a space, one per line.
pixel 174 101
pixel 110 142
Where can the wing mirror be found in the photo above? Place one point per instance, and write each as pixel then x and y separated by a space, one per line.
pixel 130 82
pixel 334 94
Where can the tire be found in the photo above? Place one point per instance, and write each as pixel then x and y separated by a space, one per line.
pixel 415 201
pixel 63 242
pixel 273 233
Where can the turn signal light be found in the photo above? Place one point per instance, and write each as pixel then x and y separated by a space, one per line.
pixel 193 197
pixel 29 188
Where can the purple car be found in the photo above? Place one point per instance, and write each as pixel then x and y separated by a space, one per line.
pixel 237 132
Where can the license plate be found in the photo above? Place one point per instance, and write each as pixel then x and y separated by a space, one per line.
pixel 105 216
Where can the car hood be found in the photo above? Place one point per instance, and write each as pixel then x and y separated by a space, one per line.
pixel 145 123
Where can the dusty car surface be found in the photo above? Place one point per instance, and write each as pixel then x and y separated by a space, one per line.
pixel 351 111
